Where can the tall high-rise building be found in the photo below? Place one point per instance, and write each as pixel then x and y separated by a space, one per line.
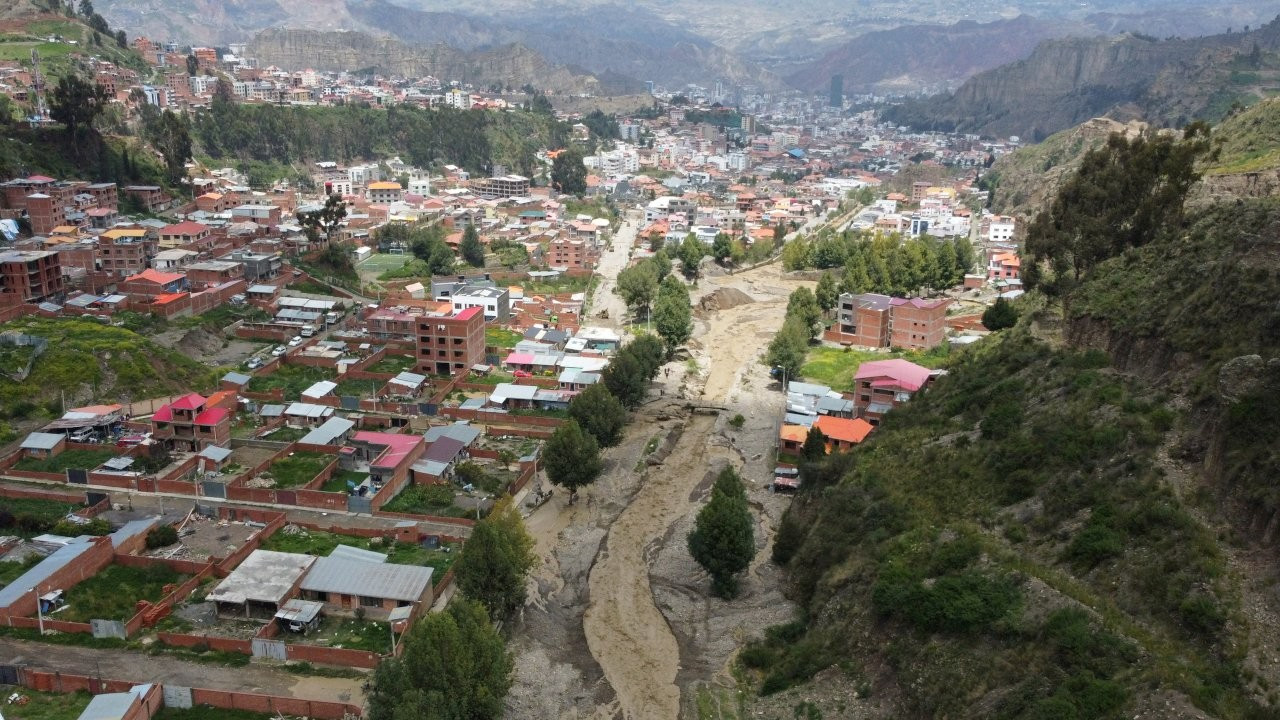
pixel 837 91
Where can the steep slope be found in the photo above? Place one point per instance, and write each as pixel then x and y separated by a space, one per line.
pixel 1066 82
pixel 1248 161
pixel 1076 521
pixel 512 65
pixel 1024 181
pixel 913 58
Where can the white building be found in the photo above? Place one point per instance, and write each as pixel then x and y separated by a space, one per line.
pixel 1000 229
pixel 361 175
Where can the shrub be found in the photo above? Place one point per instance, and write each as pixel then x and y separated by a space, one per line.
pixel 737 421
pixel 161 536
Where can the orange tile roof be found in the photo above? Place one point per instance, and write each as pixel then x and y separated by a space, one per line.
pixel 844 429
pixel 793 433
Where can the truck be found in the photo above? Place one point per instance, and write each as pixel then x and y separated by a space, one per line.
pixel 307 331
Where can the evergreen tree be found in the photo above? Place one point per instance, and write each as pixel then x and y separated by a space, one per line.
pixel 568 173
pixel 803 306
pixel 76 103
pixel 788 349
pixel 672 314
pixel 600 414
pixel 496 559
pixel 170 134
pixel 691 253
pixel 815 445
pixel 723 538
pixel 122 40
pixel 637 286
pixel 626 378
pixel 649 351
pixel 470 248
pixel 193 65
pixel 722 248
pixel 999 316
pixel 454 666
pixel 571 458
pixel 827 293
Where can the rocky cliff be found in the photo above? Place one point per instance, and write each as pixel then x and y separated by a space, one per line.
pixel 1068 81
pixel 512 65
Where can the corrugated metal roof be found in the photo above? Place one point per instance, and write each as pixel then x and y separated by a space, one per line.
pixel 466 434
pixel 42 441
pixel 59 559
pixel 111 706
pixel 348 552
pixel 332 429
pixel 132 529
pixel 352 577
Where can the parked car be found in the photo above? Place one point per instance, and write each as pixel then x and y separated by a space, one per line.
pixel 254 363
pixel 295 341
pixel 522 373
pixel 280 350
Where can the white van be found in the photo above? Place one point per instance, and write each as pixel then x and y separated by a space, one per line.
pixel 308 331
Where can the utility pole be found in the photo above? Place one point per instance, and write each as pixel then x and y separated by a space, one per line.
pixel 39 610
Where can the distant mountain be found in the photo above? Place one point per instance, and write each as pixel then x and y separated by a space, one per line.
pixel 929 57
pixel 1066 82
pixel 512 65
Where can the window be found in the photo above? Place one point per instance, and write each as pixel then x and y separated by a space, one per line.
pixel 366 601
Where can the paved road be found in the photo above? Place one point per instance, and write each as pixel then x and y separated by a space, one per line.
pixel 612 262
pixel 139 667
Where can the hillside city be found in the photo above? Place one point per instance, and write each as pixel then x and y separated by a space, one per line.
pixel 353 395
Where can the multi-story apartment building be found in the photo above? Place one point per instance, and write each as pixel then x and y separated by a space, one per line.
pixel 384 192
pixel 125 251
pixel 33 275
pixel 189 425
pixel 45 213
pixel 505 186
pixel 566 252
pixel 450 343
pixel 873 320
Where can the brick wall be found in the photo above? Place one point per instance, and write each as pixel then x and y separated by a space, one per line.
pixel 88 564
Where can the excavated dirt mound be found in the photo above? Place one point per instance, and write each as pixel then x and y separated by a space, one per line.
pixel 724 299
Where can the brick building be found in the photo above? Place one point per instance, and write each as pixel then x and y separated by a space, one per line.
pixel 34 275
pixel 917 324
pixel 125 251
pixel 450 343
pixel 872 320
pixel 881 385
pixel 571 253
pixel 45 213
pixel 188 424
pixel 183 233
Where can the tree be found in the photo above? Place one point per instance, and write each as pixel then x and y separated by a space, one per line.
pixel 672 314
pixel 1124 195
pixel 722 248
pixel 193 65
pixel 691 253
pixel 170 133
pixel 454 666
pixel 327 218
pixel 76 102
pixel 815 445
pixel 571 458
pixel 827 293
pixel 600 414
pixel 797 255
pixel 626 379
pixel 803 306
pixel 999 316
pixel 648 349
pixel 568 173
pixel 122 40
pixel 470 248
pixel 723 537
pixel 637 286
pixel 86 8
pixel 496 559
pixel 788 348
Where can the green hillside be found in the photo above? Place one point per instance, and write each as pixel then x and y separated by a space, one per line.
pixel 92 362
pixel 1059 527
pixel 1249 141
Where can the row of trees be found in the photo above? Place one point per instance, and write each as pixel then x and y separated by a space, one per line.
pixel 789 347
pixel 885 264
pixel 650 284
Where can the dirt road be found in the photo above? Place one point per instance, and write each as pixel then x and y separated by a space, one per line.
pixel 142 668
pixel 620 623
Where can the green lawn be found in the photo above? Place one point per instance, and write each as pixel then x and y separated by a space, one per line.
pixel 321 543
pixel 392 364
pixel 81 459
pixel 32 515
pixel 426 500
pixel 493 378
pixel 311 288
pixel 352 634
pixel 287 433
pixel 501 337
pixel 556 285
pixel 835 367
pixel 338 482
pixel 112 593
pixel 299 468
pixel 358 388
pixel 11 570
pixel 293 379
pixel 45 706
